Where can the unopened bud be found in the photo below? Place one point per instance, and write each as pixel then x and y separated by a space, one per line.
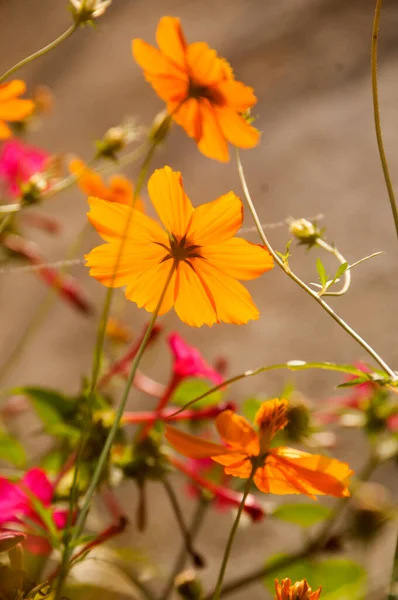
pixel 305 231
pixel 188 585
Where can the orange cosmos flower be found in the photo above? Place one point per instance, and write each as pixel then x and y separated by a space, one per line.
pixel 199 89
pixel 198 244
pixel 13 108
pixel 276 470
pixel 299 591
pixel 119 190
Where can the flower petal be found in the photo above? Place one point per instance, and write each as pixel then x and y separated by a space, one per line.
pixel 135 259
pixel 232 301
pixel 236 464
pixel 5 131
pixel 234 127
pixel 15 109
pixel 12 89
pixel 170 201
pixel 38 483
pixel 146 289
pixel 192 304
pixel 188 115
pixel 192 446
pixel 206 69
pixel 216 221
pixel 212 143
pixel 237 95
pixel 238 258
pixel 110 220
pixel 171 41
pixel 154 62
pixel 88 180
pixel 237 432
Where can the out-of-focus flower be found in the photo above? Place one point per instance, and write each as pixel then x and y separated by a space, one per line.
pixel 297 591
pixel 274 470
pixel 117 331
pixel 199 89
pixel 85 11
pixel 188 362
pixel 196 253
pixel 223 497
pixel 16 504
pixel 120 190
pixel 13 108
pixel 43 99
pixel 116 139
pixel 18 163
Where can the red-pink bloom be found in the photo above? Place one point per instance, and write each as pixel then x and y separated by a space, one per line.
pixel 18 162
pixel 392 423
pixel 188 361
pixel 16 504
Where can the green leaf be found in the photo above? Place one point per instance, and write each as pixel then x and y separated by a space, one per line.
pixel 323 278
pixel 189 389
pixel 303 514
pixel 340 578
pixel 352 382
pixel 12 450
pixel 340 271
pixel 250 407
pixel 51 406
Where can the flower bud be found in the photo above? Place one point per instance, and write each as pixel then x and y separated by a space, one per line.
pixel 188 586
pixel 85 11
pixel 305 231
pixel 160 127
pixel 116 139
pixel 33 189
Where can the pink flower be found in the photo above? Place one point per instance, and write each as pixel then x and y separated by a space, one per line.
pixel 392 423
pixel 16 504
pixel 188 361
pixel 18 162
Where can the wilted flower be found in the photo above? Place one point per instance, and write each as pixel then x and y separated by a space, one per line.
pixel 85 11
pixel 297 591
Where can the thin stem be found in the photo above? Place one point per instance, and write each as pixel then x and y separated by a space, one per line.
pixel 228 548
pixel 347 273
pixel 196 524
pixel 64 36
pixel 376 112
pixel 301 283
pixel 186 533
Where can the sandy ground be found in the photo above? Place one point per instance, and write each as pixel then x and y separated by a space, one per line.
pixel 308 61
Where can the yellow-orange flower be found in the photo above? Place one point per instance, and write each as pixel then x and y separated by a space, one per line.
pixel 13 108
pixel 276 470
pixel 196 244
pixel 119 189
pixel 298 591
pixel 199 89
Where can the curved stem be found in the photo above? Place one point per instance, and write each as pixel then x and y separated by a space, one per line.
pixel 347 273
pixel 376 113
pixel 303 285
pixel 64 36
pixel 228 548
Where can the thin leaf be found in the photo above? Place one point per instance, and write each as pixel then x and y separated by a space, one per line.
pixel 323 278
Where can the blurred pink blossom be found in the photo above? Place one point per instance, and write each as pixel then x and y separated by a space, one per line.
pixel 18 162
pixel 188 361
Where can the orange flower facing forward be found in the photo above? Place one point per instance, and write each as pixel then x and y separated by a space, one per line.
pixel 197 245
pixel 199 89
pixel 299 591
pixel 13 108
pixel 119 190
pixel 276 470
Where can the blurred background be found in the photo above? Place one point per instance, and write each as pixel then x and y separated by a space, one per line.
pixel 308 61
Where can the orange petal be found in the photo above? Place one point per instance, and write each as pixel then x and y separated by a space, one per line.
pixel 192 446
pixel 12 89
pixel 271 480
pixel 236 464
pixel 192 304
pixel 217 221
pixel 147 288
pixel 188 115
pixel 135 258
pixel 110 220
pixel 5 131
pixel 88 180
pixel 237 95
pixel 169 89
pixel 121 190
pixel 232 301
pixel 238 258
pixel 212 143
pixel 318 475
pixel 170 201
pixel 171 40
pixel 235 128
pixel 15 109
pixel 237 432
pixel 206 69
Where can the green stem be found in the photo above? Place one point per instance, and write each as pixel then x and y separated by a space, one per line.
pixel 347 273
pixel 228 548
pixel 64 36
pixel 376 112
pixel 301 283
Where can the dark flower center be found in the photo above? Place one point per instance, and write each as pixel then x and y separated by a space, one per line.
pixel 195 90
pixel 180 250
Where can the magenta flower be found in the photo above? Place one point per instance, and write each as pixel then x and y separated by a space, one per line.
pixel 16 504
pixel 18 162
pixel 188 361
